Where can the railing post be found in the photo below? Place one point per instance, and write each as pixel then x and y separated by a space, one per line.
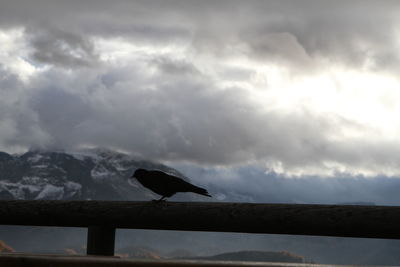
pixel 100 241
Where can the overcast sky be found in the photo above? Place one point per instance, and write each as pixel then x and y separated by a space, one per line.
pixel 301 87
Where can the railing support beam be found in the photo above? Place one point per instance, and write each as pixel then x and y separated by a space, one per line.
pixel 100 241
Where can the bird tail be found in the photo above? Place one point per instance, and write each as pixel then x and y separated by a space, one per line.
pixel 201 191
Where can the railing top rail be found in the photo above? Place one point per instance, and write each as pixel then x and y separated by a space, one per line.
pixel 293 219
pixel 11 260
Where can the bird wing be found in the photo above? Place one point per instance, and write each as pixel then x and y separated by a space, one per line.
pixel 181 185
pixel 167 185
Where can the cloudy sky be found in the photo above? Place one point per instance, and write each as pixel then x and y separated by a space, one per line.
pixel 299 87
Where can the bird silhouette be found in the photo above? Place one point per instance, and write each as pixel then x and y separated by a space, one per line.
pixel 166 185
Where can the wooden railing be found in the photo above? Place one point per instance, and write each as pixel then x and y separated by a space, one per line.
pixel 103 217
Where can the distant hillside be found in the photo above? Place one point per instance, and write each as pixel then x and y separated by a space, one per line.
pixel 252 255
pixel 139 253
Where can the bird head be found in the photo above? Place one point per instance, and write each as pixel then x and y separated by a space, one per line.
pixel 138 173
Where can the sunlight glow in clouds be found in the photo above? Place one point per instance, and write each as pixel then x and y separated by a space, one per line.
pixel 13 53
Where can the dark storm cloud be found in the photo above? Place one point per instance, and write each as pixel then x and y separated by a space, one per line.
pixel 60 48
pixel 141 34
pixel 280 48
pixel 60 114
pixel 18 124
pixel 297 34
pixel 285 32
pixel 175 67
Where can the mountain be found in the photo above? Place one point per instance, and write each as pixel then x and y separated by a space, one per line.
pixel 138 252
pixel 97 174
pixel 253 255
